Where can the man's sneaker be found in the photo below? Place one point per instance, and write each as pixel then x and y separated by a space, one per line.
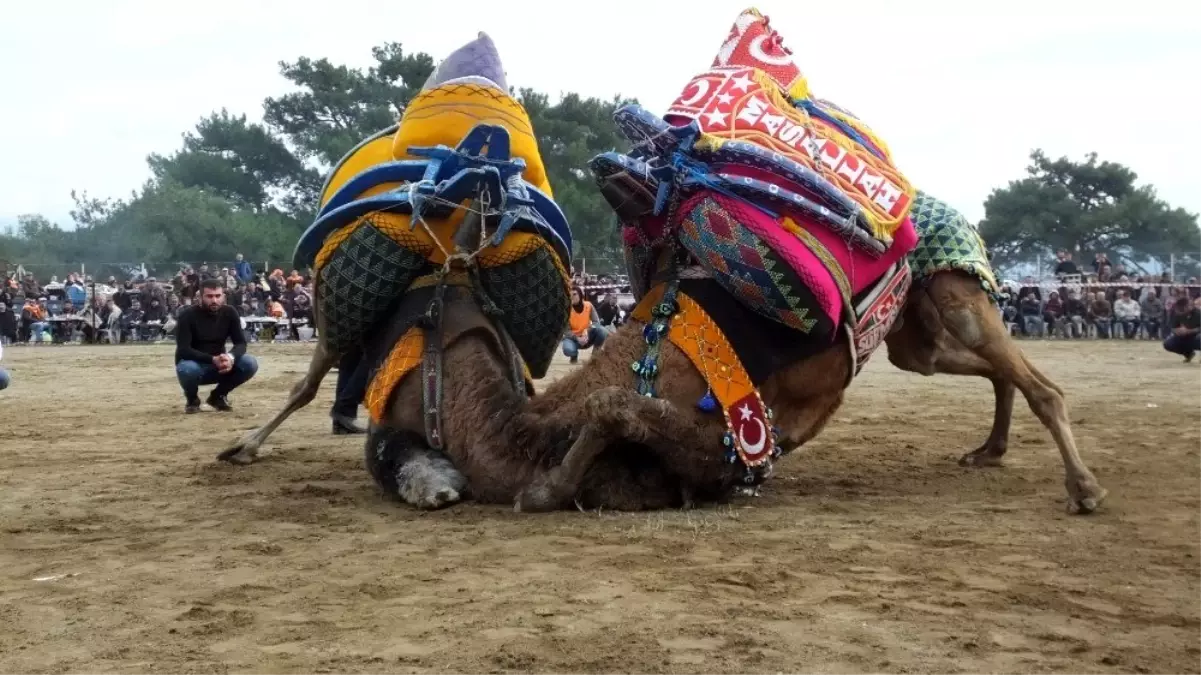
pixel 193 406
pixel 218 402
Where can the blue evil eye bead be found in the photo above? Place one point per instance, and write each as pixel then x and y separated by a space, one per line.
pixel 707 403
pixel 664 309
pixel 650 333
pixel 731 456
pixel 649 369
pixel 727 439
pixel 770 415
pixel 636 367
pixel 748 477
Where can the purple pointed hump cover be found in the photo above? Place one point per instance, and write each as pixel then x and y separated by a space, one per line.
pixel 477 58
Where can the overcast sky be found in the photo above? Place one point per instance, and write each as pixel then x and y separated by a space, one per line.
pixel 961 91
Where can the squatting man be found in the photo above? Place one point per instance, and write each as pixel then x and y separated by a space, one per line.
pixel 200 356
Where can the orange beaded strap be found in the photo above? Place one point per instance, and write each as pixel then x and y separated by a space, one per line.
pixel 670 313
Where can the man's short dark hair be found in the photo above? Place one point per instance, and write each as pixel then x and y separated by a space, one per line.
pixel 211 284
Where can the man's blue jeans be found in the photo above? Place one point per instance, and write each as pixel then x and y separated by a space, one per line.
pixel 1184 345
pixel 352 384
pixel 4 379
pixel 192 374
pixel 571 346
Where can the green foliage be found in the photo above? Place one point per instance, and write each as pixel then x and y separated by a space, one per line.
pixel 570 133
pixel 1086 207
pixel 239 186
pixel 336 106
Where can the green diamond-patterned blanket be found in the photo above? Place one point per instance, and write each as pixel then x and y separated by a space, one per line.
pixel 947 241
pixel 362 280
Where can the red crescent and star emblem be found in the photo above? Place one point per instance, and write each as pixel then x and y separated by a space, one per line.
pixel 752 431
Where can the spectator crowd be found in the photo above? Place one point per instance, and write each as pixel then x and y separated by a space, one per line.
pixel 143 308
pixel 1105 303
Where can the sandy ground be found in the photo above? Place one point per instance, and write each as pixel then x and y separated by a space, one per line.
pixel 125 547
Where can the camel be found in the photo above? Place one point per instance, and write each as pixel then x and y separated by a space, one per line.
pixel 745 148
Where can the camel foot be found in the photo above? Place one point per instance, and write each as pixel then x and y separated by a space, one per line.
pixel 545 493
pixel 430 481
pixel 985 456
pixel 1086 495
pixel 241 454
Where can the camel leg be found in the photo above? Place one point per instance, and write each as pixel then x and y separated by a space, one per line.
pixel 245 451
pixel 921 345
pixel 997 443
pixel 554 489
pixel 970 319
pixel 618 414
pixel 405 468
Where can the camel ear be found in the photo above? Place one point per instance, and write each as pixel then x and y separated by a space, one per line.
pixel 475 61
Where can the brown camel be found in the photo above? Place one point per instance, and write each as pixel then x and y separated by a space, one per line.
pixel 949 326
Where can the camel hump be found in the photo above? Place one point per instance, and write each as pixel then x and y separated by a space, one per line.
pixel 475 60
pixel 391 210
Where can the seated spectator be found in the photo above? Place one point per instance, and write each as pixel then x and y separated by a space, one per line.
pixel 1053 313
pixel 276 309
pixel 1126 313
pixel 1031 312
pixel 229 281
pixel 584 329
pixel 1074 311
pixel 33 319
pixel 93 318
pixel 63 331
pixel 200 356
pixel 1101 315
pixel 123 298
pixel 132 323
pixel 151 291
pixel 1185 322
pixel 154 312
pixel 1152 314
pixel 76 293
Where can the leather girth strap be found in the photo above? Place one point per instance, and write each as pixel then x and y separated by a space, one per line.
pixel 433 329
pixel 431 368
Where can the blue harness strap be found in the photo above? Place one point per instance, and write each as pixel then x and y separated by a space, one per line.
pixel 437 184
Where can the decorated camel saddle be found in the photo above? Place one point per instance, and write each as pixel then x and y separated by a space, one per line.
pixel 751 192
pixel 453 196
